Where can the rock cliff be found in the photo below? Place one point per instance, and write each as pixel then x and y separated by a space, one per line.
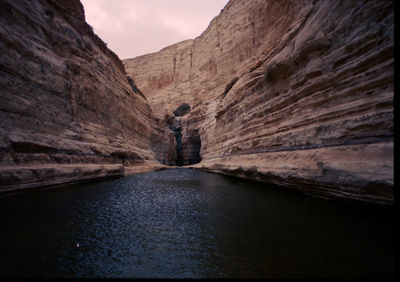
pixel 68 111
pixel 296 93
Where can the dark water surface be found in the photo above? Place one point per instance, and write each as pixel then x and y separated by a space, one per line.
pixel 183 223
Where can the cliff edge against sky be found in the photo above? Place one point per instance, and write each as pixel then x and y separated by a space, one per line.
pixel 296 93
pixel 68 112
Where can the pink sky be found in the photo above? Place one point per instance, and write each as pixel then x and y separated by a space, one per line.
pixel 136 27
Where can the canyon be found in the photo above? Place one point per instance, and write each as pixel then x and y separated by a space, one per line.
pixel 294 93
pixel 68 111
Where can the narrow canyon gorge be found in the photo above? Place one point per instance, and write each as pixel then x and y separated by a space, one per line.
pixel 298 94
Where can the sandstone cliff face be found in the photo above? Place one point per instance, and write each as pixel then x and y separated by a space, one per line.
pixel 298 93
pixel 67 111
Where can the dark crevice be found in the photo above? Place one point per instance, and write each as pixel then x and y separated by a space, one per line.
pixel 178 136
pixel 182 110
pixel 188 144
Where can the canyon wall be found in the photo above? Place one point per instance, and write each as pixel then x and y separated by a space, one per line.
pixel 295 93
pixel 68 111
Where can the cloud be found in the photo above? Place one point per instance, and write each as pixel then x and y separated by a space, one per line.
pixel 136 27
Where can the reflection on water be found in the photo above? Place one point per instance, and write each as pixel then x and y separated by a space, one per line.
pixel 183 223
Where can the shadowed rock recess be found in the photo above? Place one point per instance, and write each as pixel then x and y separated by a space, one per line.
pixel 294 93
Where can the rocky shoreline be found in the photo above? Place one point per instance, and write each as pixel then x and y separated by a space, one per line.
pixel 295 93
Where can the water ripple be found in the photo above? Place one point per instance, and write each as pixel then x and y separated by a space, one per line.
pixel 181 223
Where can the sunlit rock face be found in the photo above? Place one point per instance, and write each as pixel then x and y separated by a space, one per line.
pixel 68 112
pixel 298 93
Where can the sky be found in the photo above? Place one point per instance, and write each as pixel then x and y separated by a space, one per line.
pixel 136 27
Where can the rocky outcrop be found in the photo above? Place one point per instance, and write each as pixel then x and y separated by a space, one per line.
pixel 68 111
pixel 295 93
pixel 163 141
pixel 298 93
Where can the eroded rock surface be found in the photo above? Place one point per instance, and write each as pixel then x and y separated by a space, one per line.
pixel 68 111
pixel 299 93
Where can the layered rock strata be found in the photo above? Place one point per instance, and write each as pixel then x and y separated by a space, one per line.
pixel 298 93
pixel 68 111
pixel 163 141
